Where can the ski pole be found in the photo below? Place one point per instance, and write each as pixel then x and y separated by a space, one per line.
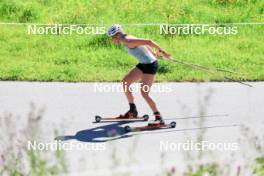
pixel 212 68
pixel 206 69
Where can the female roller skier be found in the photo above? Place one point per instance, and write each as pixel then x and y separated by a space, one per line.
pixel 147 52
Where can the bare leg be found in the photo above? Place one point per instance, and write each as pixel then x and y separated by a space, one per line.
pixel 134 75
pixel 147 81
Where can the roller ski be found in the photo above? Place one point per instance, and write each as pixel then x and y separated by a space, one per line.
pixel 121 118
pixel 150 127
pixel 131 115
pixel 158 123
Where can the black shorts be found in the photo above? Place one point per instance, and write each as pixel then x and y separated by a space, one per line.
pixel 148 68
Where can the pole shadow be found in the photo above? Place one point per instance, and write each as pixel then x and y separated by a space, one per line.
pixel 186 129
pixel 199 117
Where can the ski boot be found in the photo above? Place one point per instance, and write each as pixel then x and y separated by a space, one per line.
pixel 158 120
pixel 129 114
pixel 132 113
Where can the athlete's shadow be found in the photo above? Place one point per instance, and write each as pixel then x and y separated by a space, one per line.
pixel 109 132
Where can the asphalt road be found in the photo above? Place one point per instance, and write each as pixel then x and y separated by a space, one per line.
pixel 212 113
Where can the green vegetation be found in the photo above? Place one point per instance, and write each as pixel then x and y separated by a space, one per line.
pixel 211 169
pixel 94 58
pixel 259 166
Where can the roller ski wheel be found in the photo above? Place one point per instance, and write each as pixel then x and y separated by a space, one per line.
pixel 145 117
pixel 98 119
pixel 173 124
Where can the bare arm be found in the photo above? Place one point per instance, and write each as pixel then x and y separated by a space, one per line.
pixel 155 52
pixel 132 43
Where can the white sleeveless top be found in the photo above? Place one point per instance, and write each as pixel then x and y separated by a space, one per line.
pixel 142 53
